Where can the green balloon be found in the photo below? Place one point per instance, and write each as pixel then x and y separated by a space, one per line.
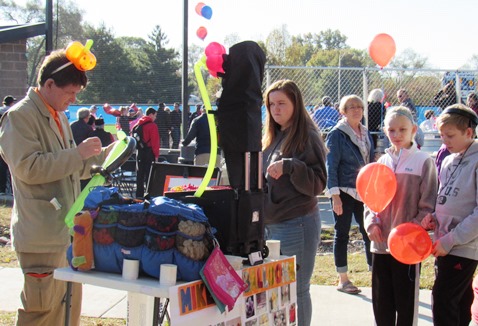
pixel 212 127
pixel 97 180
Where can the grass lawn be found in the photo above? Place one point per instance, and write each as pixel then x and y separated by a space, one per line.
pixel 111 129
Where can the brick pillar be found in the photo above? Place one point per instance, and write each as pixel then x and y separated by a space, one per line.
pixel 13 70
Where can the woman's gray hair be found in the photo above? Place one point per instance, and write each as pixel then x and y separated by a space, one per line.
pixel 375 95
pixel 346 100
pixel 83 113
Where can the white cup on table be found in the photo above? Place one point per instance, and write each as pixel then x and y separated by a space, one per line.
pixel 130 269
pixel 274 248
pixel 167 274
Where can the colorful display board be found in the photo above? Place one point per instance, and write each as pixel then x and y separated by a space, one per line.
pixel 270 299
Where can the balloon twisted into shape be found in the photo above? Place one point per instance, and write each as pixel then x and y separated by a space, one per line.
pixel 81 56
pixel 212 126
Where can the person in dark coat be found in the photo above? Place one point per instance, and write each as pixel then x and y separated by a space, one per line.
pixel 445 97
pixel 407 102
pixel 80 128
pixel 195 114
pixel 199 130
pixel 163 121
pixel 176 120
pixel 100 132
pixel 150 152
pixel 376 113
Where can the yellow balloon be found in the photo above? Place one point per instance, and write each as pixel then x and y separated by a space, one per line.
pixel 212 126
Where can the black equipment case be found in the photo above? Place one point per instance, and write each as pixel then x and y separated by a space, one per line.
pixel 237 215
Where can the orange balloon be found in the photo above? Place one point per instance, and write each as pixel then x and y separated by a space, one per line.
pixel 382 49
pixel 376 185
pixel 409 243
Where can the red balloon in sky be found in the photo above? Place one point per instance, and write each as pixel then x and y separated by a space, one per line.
pixel 199 7
pixel 201 32
pixel 382 49
pixel 409 243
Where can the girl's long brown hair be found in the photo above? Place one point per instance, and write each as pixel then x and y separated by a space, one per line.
pixel 298 133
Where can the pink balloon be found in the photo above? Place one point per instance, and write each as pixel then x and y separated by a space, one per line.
pixel 199 7
pixel 201 32
pixel 214 48
pixel 214 64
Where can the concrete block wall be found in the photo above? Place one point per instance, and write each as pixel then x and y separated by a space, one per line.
pixel 13 69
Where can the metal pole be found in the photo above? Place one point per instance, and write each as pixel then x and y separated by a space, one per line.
pixel 184 87
pixel 338 86
pixel 365 95
pixel 458 87
pixel 49 27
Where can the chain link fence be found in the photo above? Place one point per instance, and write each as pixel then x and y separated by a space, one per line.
pixel 316 83
pixel 422 87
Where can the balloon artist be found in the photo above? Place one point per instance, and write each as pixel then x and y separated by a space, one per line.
pixel 46 167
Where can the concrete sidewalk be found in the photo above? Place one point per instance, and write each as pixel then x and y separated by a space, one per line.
pixel 330 307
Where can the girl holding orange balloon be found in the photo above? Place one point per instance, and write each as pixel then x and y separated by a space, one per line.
pixel 395 284
pixel 350 148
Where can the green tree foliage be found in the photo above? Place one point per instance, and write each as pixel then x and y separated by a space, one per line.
pixel 330 39
pixel 277 42
pixel 301 50
pixel 162 70
pixel 409 59
pixel 128 69
pixel 67 26
pixel 132 69
pixel 195 53
pixel 113 78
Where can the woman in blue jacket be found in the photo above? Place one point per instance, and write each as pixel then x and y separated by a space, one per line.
pixel 350 148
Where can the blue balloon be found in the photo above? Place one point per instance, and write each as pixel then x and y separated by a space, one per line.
pixel 206 12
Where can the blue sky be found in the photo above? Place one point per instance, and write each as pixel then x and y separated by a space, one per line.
pixel 442 30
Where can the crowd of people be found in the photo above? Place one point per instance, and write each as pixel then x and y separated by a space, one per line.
pixel 327 115
pixel 443 202
pixel 167 120
pixel 295 173
pixel 47 158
